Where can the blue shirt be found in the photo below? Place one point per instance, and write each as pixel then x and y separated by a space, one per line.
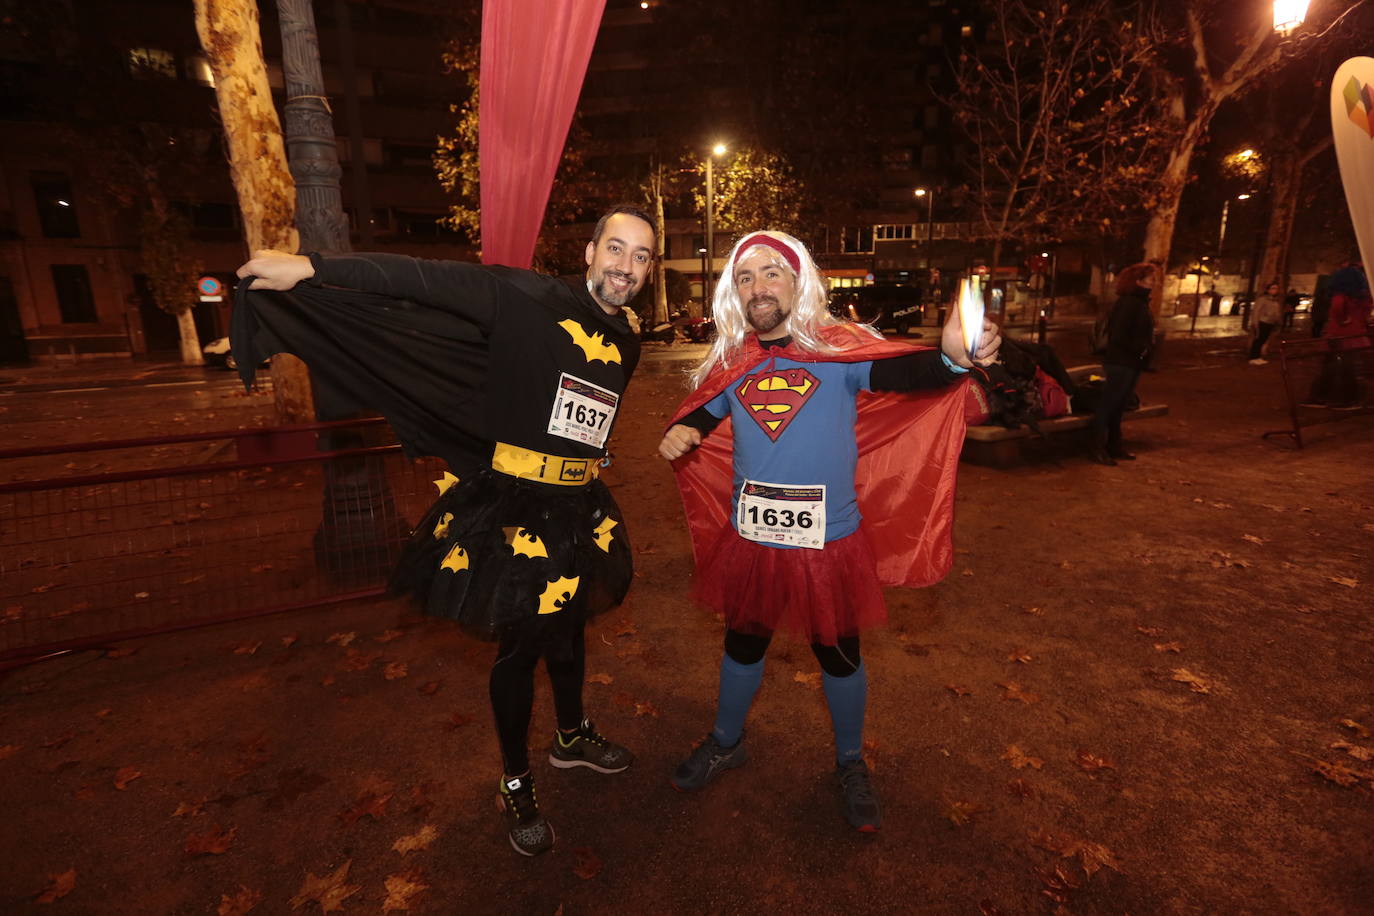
pixel 794 424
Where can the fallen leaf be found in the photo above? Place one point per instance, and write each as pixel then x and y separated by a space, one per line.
pixel 958 690
pixel 430 688
pixel 85 793
pixel 870 752
pixel 1014 691
pixel 124 776
pixel 1168 647
pixel 58 887
pixel 1020 788
pixel 342 640
pixel 329 891
pixel 588 865
pixel 960 813
pixel 646 709
pixel 812 680
pixel 418 840
pixel 601 678
pixel 1304 609
pixel 457 721
pixel 1092 856
pixel 1065 565
pixel 355 660
pixel 1092 763
pixel 239 904
pixel 9 750
pixel 1351 724
pixel 1354 750
pixel 189 809
pixel 1252 539
pixel 1033 611
pixel 1019 655
pixel 626 629
pixel 1019 759
pixel 1196 682
pixel 402 888
pixel 327 680
pixel 123 652
pixel 1058 882
pixel 288 641
pixel 967 572
pixel 1221 505
pixel 247 648
pixel 388 635
pixel 370 805
pixel 1347 581
pixel 215 841
pixel 1337 773
pixel 55 743
pixel 395 671
pixel 1149 631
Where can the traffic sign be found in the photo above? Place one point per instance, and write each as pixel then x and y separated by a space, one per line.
pixel 209 286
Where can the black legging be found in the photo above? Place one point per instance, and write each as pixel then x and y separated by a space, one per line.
pixel 1116 391
pixel 840 660
pixel 564 651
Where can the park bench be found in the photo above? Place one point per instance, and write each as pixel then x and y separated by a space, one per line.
pixel 997 446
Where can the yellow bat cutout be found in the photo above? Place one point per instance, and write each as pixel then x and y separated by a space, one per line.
pixel 443 483
pixel 441 529
pixel 524 542
pixel 594 346
pixel 602 533
pixel 457 559
pixel 557 595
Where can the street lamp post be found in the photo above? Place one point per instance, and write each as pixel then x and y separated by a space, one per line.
pixel 707 291
pixel 929 195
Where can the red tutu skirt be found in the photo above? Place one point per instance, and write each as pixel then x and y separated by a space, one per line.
pixel 818 595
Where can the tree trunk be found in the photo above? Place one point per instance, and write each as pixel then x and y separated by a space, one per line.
pixel 660 272
pixel 230 35
pixel 1159 232
pixel 190 339
pixel 1283 204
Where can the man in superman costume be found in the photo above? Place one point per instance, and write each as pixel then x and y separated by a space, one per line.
pixel 515 380
pixel 816 462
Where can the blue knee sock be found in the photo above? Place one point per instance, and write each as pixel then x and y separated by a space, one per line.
pixel 738 684
pixel 847 697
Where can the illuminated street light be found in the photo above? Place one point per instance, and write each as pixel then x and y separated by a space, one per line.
pixel 1242 197
pixel 1245 154
pixel 1288 15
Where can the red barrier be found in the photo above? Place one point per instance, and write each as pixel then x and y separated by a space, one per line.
pixel 1326 379
pixel 87 560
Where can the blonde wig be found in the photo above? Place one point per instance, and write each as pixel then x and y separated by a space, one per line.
pixel 809 313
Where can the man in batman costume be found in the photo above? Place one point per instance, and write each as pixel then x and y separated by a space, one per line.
pixel 514 379
pixel 800 428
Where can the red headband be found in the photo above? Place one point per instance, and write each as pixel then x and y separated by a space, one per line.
pixel 781 247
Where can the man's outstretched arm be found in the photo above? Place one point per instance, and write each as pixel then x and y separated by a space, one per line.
pixel 468 290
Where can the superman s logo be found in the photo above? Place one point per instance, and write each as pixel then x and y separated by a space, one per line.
pixel 774 397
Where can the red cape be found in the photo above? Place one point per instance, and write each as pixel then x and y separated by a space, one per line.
pixel 908 454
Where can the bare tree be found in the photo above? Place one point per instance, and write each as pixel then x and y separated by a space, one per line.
pixel 231 37
pixel 1064 137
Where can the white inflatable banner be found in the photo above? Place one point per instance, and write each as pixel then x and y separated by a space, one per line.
pixel 1352 125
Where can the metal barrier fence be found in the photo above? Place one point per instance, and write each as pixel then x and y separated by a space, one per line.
pixel 278 525
pixel 1326 379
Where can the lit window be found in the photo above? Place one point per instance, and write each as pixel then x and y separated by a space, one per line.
pixel 966 30
pixel 152 63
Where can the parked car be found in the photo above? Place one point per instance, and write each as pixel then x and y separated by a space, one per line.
pixel 888 308
pixel 217 353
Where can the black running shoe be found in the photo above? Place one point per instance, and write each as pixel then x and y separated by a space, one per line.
pixel 706 762
pixel 530 834
pixel 586 748
pixel 858 797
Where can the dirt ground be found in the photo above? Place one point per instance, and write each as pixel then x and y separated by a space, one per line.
pixel 1142 689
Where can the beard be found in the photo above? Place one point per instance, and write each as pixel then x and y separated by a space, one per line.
pixel 609 294
pixel 763 319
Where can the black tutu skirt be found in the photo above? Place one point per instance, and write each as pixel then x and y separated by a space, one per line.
pixel 495 551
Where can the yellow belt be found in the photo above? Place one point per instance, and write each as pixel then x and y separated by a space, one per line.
pixel 555 469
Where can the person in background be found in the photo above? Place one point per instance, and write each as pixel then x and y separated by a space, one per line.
pixel 1130 337
pixel 1347 329
pixel 1268 315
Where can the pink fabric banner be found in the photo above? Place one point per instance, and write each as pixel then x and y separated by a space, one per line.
pixel 534 57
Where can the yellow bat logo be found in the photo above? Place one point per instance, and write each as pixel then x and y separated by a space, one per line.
pixel 524 543
pixel 602 533
pixel 456 560
pixel 594 346
pixel 441 529
pixel 443 483
pixel 557 595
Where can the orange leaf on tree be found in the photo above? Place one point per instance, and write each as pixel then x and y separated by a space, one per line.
pixel 329 891
pixel 58 887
